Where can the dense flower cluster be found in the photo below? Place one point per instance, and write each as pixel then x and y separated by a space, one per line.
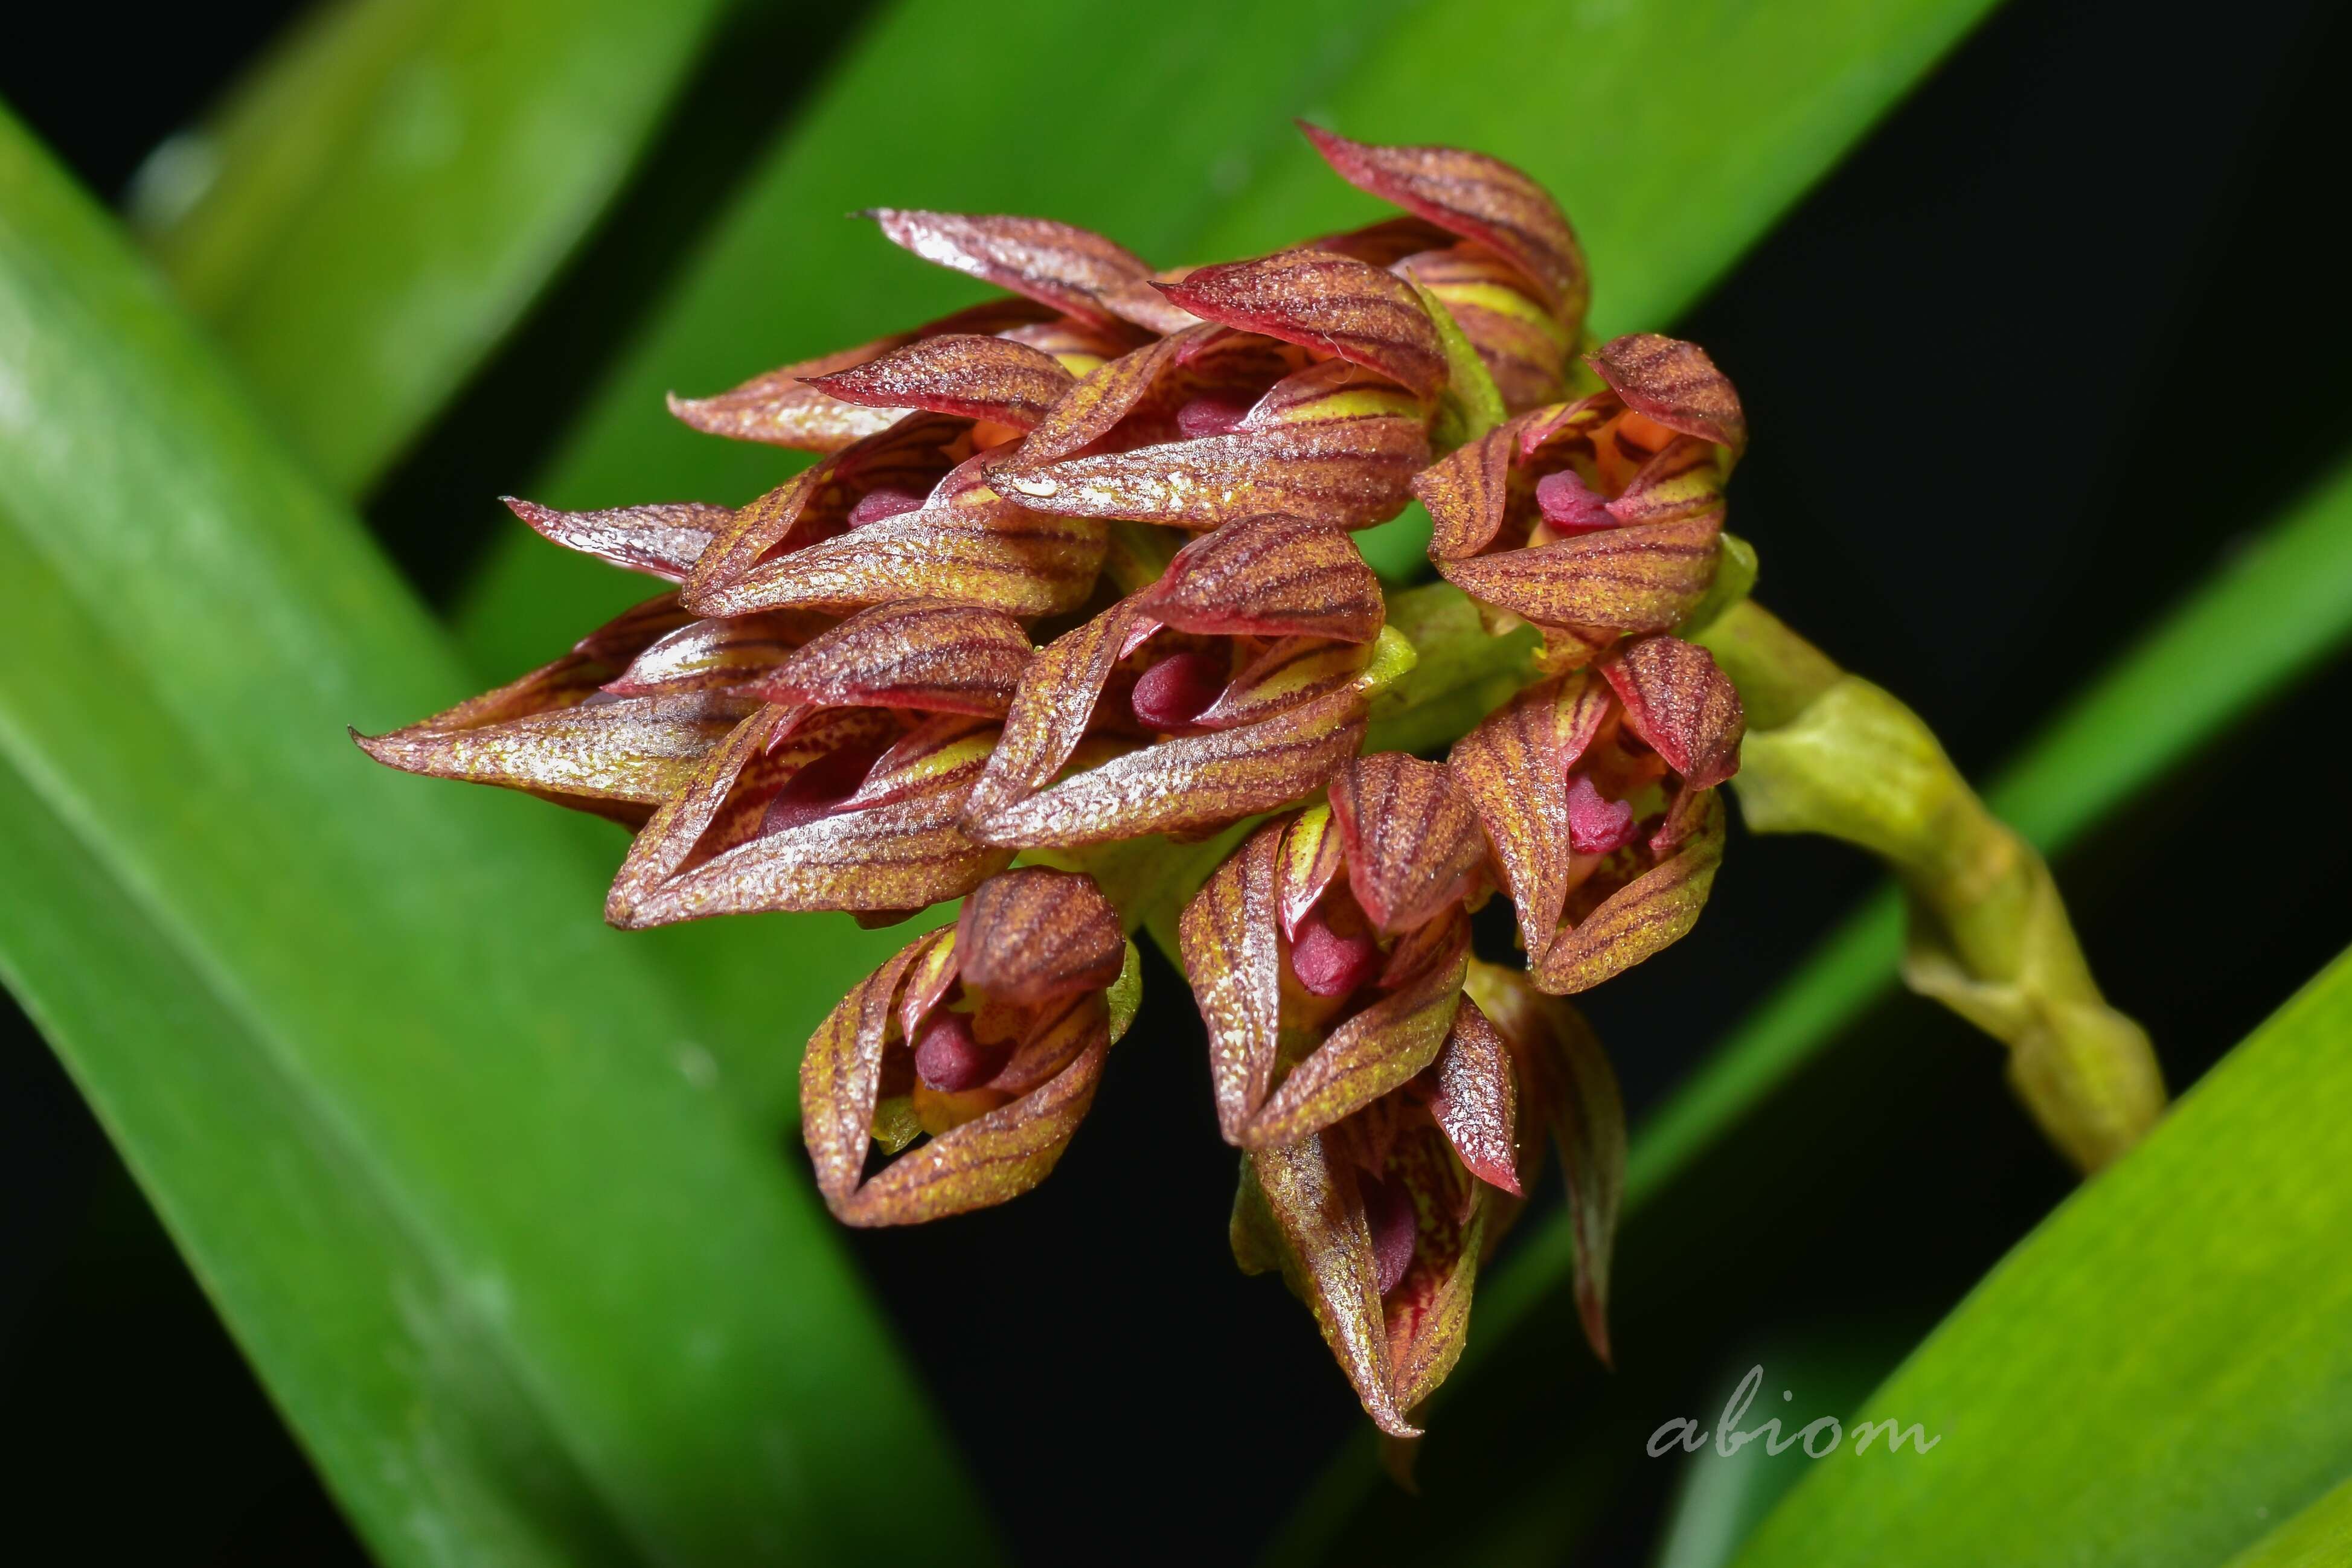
pixel 967 632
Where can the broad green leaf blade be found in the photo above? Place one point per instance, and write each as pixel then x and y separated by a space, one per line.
pixel 2164 1365
pixel 2318 1537
pixel 376 206
pixel 441 1147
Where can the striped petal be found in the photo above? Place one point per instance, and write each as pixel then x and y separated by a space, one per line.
pixel 993 379
pixel 1070 270
pixel 663 540
pixel 1315 1215
pixel 1475 1101
pixel 1521 344
pixel 1627 580
pixel 1233 963
pixel 1427 1313
pixel 1413 843
pixel 1052 707
pixel 781 409
pixel 1312 856
pixel 948 748
pixel 1646 916
pixel 1030 935
pixel 1676 383
pixel 1469 492
pixel 727 653
pixel 1569 1084
pixel 1333 304
pixel 1513 770
pixel 1479 198
pixel 1380 1049
pixel 1269 577
pixel 841 1072
pixel 1678 701
pixel 922 653
pixel 1294 671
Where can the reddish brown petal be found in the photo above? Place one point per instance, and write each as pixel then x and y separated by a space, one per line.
pixel 663 540
pixel 1513 769
pixel 977 378
pixel 1685 480
pixel 1233 963
pixel 729 654
pixel 1629 579
pixel 1291 672
pixel 1413 840
pixel 1385 1045
pixel 1052 707
pixel 1648 915
pixel 920 653
pixel 1675 383
pixel 1270 577
pixel 1467 492
pixel 1427 1313
pixel 948 751
pixel 1070 270
pixel 1477 197
pixel 1031 934
pixel 1319 300
pixel 1327 1259
pixel 1312 854
pixel 1061 1034
pixel 1332 389
pixel 642 750
pixel 1569 1083
pixel 841 1073
pixel 1092 409
pixel 1188 784
pixel 1520 343
pixel 988 1160
pixel 1349 473
pixel 1476 1103
pixel 779 409
pixel 1678 701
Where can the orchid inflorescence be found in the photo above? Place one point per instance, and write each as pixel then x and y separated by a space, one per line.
pixel 967 635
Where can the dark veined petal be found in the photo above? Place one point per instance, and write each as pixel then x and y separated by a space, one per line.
pixel 1331 303
pixel 1679 702
pixel 1685 480
pixel 1380 1048
pixel 1521 344
pixel 1646 916
pixel 1074 271
pixel 1569 1084
pixel 731 653
pixel 1031 933
pixel 912 455
pixel 1467 491
pixel 841 1073
pixel 1106 395
pixel 663 540
pixel 1332 389
pixel 1513 770
pixel 1479 198
pixel 1053 706
pixel 1675 383
pixel 781 409
pixel 1188 784
pixel 1270 577
pixel 922 653
pixel 1413 841
pixel 975 377
pixel 967 545
pixel 1312 855
pixel 939 753
pixel 1427 1313
pixel 1226 936
pixel 1292 671
pixel 1315 1216
pixel 1347 471
pixel 1628 579
pixel 1476 1100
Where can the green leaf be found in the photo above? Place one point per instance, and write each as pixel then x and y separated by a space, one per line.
pixel 2318 1537
pixel 441 1148
pixel 2164 1365
pixel 377 204
pixel 1675 135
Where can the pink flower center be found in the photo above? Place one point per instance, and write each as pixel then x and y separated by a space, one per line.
pixel 1596 824
pixel 951 1061
pixel 884 501
pixel 818 789
pixel 1177 690
pixel 1210 413
pixel 1389 1214
pixel 1569 506
pixel 1330 964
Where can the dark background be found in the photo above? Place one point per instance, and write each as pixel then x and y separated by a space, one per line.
pixel 2022 374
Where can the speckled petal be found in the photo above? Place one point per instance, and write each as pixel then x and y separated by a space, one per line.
pixel 922 653
pixel 1312 856
pixel 993 379
pixel 1334 304
pixel 1031 933
pixel 1467 491
pixel 1413 841
pixel 841 1072
pixel 1226 936
pixel 1427 1313
pixel 1675 383
pixel 1679 702
pixel 1523 346
pixel 1294 671
pixel 1269 577
pixel 1646 916
pixel 1476 1101
pixel 728 654
pixel 663 540
pixel 1628 579
pixel 1052 707
pixel 1074 271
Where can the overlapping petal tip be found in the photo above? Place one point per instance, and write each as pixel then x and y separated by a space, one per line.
pixel 1681 704
pixel 923 654
pixel 1226 937
pixel 1643 918
pixel 556 733
pixel 1569 1088
pixel 1067 268
pixel 663 540
pixel 748 834
pixel 992 1051
pixel 1413 843
pixel 1321 300
pixel 993 379
pixel 731 653
pixel 1467 492
pixel 1645 578
pixel 1523 345
pixel 780 408
pixel 1269 577
pixel 1479 198
pixel 1675 383
pixel 1475 1098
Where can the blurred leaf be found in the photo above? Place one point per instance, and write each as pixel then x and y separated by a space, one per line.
pixel 442 1150
pixel 376 206
pixel 2318 1537
pixel 1675 135
pixel 2164 1365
